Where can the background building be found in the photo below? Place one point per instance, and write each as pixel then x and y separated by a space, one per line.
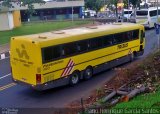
pixel 53 10
pixel 9 19
pixel 152 2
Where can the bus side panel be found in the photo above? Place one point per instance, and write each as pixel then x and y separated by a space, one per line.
pixel 61 68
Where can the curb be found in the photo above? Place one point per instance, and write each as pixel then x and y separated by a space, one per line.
pixel 4 55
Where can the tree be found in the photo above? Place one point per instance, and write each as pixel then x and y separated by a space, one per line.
pixel 94 4
pixel 113 2
pixel 135 3
pixel 7 3
pixel 28 3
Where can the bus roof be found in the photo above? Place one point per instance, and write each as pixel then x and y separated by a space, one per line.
pixel 70 35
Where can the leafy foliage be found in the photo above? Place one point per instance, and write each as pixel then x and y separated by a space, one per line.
pixel 6 3
pixel 94 4
pixel 27 3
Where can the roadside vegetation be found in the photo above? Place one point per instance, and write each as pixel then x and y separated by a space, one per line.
pixel 150 69
pixel 135 89
pixel 38 27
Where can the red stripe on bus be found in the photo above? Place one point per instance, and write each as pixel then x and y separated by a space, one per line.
pixel 65 68
pixel 70 69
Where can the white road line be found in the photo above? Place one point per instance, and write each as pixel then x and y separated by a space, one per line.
pixel 5 76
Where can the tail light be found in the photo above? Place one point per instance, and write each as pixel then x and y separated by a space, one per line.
pixel 38 78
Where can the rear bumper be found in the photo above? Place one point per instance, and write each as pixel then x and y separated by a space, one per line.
pixel 52 84
pixel 45 86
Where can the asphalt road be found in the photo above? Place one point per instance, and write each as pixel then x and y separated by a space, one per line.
pixel 13 95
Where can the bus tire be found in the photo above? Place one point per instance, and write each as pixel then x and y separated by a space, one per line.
pixel 88 73
pixel 74 78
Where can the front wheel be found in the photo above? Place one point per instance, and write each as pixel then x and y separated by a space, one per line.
pixel 74 78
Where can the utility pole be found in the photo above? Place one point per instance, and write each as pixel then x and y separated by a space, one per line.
pixel 157 11
pixel 128 12
pixel 72 11
pixel 158 25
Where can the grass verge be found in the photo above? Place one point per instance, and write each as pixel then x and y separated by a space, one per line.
pixel 33 28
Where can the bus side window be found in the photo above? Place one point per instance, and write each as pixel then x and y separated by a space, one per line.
pixel 56 52
pixel 135 34
pixel 124 37
pixel 118 38
pixel 107 40
pixel 114 40
pixel 51 53
pixel 95 43
pixel 129 35
pixel 69 49
pixel 82 46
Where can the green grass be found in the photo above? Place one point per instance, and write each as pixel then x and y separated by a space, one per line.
pixel 150 100
pixel 33 28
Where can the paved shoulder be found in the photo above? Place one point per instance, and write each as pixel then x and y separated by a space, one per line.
pixel 4 55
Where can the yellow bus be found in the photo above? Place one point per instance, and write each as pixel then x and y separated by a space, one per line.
pixel 57 58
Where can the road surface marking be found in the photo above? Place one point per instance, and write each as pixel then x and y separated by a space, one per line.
pixel 7 86
pixel 5 76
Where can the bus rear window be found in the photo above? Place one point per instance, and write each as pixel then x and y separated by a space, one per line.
pixel 141 13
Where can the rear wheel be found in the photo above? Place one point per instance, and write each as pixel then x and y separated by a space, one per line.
pixel 74 78
pixel 88 73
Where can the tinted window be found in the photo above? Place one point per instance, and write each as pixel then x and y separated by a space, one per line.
pixel 158 12
pixel 82 46
pixel 118 38
pixel 107 40
pixel 69 49
pixel 135 34
pixel 153 13
pixel 51 53
pixel 127 12
pixel 95 43
pixel 141 13
pixel 129 35
pixel 125 37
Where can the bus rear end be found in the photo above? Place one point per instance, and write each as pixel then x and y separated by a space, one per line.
pixel 25 61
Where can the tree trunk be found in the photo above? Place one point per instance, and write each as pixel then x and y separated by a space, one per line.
pixel 109 96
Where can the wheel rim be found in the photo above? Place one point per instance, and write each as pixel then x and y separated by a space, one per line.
pixel 75 79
